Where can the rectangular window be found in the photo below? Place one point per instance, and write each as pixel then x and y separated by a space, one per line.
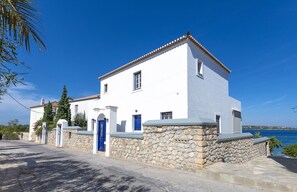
pixel 105 88
pixel 166 115
pixel 199 68
pixel 137 80
pixel 137 122
pixel 76 109
pixel 218 120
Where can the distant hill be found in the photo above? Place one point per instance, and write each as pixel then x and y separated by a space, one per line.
pixel 260 127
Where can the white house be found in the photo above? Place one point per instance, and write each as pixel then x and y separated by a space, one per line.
pixel 180 80
pixel 79 105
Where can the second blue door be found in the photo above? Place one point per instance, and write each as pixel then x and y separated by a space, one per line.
pixel 101 134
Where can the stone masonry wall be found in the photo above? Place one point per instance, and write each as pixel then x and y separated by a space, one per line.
pixel 24 136
pixel 51 137
pixel 177 147
pixel 184 147
pixel 73 140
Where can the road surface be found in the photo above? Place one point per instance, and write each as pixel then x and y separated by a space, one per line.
pixel 28 166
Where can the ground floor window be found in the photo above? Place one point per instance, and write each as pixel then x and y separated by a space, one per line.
pixel 166 115
pixel 137 122
pixel 218 120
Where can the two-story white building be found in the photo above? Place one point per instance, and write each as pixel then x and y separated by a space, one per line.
pixel 78 105
pixel 180 80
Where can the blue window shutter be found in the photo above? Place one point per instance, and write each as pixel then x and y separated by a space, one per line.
pixel 137 122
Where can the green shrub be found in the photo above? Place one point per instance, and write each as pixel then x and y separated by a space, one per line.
pixel 10 136
pixel 257 135
pixel 291 150
pixel 38 132
pixel 80 120
pixel 274 143
pixel 50 127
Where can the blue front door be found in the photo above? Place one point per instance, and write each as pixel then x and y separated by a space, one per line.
pixel 101 134
pixel 137 122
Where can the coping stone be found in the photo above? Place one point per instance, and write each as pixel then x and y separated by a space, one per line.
pixel 85 132
pixel 176 122
pixel 132 135
pixel 260 140
pixel 232 137
pixel 72 128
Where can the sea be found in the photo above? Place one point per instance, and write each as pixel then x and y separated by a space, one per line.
pixel 287 137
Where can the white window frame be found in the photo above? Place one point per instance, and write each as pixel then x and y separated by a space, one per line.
pixel 166 114
pixel 220 122
pixel 75 109
pixel 137 80
pixel 199 68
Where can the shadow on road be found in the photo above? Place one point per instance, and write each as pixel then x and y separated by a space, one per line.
pixel 36 172
pixel 290 164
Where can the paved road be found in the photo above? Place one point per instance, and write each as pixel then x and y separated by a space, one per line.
pixel 27 166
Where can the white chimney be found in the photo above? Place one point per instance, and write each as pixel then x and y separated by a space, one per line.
pixel 42 101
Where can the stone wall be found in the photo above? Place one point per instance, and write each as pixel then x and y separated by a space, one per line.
pixel 24 136
pixel 186 147
pixel 51 137
pixel 73 140
pixel 177 147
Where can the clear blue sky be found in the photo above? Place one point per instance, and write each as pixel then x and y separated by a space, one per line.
pixel 257 40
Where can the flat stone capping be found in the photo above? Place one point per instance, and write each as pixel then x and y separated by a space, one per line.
pixel 177 122
pixel 260 140
pixel 231 137
pixel 85 132
pixel 72 128
pixel 133 135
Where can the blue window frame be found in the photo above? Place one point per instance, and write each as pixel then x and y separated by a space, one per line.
pixel 137 122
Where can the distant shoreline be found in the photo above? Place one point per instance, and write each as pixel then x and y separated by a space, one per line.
pixel 254 127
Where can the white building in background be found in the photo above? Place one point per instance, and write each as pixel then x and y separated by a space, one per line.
pixel 79 105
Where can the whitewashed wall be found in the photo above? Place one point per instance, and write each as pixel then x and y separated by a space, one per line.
pixel 36 113
pixel 164 78
pixel 209 96
pixel 83 106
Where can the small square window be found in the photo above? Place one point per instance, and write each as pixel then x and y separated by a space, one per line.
pixel 199 68
pixel 166 115
pixel 105 88
pixel 137 80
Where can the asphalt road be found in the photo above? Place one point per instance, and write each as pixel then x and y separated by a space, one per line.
pixel 28 166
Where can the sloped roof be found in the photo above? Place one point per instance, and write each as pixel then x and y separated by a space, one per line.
pixel 164 47
pixel 86 98
pixel 55 103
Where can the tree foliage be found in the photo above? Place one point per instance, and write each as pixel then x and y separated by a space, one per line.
pixel 48 115
pixel 257 135
pixel 10 131
pixel 274 143
pixel 18 26
pixel 291 150
pixel 64 111
pixel 80 120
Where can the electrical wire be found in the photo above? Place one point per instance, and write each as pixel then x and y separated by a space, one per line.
pixel 22 104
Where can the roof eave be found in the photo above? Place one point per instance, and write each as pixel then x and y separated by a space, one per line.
pixel 166 46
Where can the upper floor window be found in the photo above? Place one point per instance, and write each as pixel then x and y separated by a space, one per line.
pixel 105 88
pixel 199 68
pixel 137 80
pixel 166 115
pixel 76 109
